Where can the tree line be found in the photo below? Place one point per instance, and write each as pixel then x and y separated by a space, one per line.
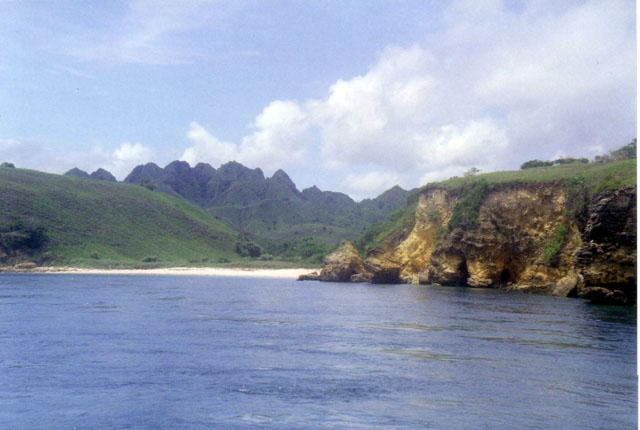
pixel 626 152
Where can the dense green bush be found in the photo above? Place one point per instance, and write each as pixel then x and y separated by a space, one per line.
pixel 535 163
pixel 246 248
pixel 555 244
pixel 309 249
pixel 22 235
pixel 465 212
pixel 560 161
pixel 627 152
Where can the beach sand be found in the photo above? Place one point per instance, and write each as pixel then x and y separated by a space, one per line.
pixel 191 271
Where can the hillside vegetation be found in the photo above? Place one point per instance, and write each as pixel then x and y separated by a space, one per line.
pixel 597 176
pixel 59 220
pixel 591 177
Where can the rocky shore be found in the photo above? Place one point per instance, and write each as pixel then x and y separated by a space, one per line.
pixel 546 238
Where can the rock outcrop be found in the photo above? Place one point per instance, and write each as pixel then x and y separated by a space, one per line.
pixel 607 258
pixel 550 238
pixel 345 265
pixel 342 264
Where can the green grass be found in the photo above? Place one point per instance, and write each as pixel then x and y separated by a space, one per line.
pixel 597 176
pixel 120 224
pixel 397 224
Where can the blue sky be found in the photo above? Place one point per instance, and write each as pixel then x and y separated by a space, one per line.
pixel 347 95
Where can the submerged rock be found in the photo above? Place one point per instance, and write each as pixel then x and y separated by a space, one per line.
pixel 313 276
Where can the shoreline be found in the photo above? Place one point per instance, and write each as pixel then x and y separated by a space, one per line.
pixel 175 271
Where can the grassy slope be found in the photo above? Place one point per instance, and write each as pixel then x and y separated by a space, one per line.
pixel 597 177
pixel 119 222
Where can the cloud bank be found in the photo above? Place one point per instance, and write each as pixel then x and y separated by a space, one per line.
pixel 498 87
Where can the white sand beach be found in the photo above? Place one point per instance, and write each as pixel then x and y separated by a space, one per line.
pixel 195 271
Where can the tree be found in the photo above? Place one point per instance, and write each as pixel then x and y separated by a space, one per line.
pixel 472 171
pixel 569 160
pixel 147 184
pixel 627 152
pixel 535 163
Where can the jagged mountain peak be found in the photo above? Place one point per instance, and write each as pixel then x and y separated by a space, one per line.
pixel 77 173
pixel 103 175
pixel 282 178
pixel 177 166
pixel 269 207
pixel 204 168
pixel 100 174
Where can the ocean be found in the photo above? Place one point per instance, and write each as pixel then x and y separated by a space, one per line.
pixel 190 352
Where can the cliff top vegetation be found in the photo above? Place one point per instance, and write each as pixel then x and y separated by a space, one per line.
pixel 597 176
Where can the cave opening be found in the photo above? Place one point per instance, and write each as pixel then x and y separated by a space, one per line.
pixel 463 272
pixel 505 276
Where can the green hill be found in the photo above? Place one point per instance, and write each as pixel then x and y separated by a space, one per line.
pixel 98 223
pixel 597 176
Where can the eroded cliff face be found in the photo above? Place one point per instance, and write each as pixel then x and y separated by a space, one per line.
pixel 544 238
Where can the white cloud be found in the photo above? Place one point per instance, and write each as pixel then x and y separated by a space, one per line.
pixel 207 148
pixel 279 139
pixel 32 155
pixel 499 86
pixel 119 161
pixel 369 184
pixel 128 155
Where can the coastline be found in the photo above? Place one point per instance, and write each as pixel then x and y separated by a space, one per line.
pixel 176 271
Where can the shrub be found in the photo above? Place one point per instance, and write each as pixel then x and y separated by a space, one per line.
pixel 466 211
pixel 535 163
pixel 147 184
pixel 246 248
pixel 23 235
pixel 627 152
pixel 554 245
pixel 472 171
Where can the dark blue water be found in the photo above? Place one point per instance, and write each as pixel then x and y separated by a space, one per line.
pixel 81 351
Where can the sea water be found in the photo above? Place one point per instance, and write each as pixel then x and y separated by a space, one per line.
pixel 182 352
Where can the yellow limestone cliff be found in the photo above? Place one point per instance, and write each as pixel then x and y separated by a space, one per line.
pixel 544 237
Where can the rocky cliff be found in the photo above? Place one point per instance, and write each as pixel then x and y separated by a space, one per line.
pixel 553 238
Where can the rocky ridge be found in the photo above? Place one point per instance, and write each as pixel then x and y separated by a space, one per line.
pixel 549 238
pixel 268 207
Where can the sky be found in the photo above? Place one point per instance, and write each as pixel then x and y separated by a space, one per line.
pixel 347 95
